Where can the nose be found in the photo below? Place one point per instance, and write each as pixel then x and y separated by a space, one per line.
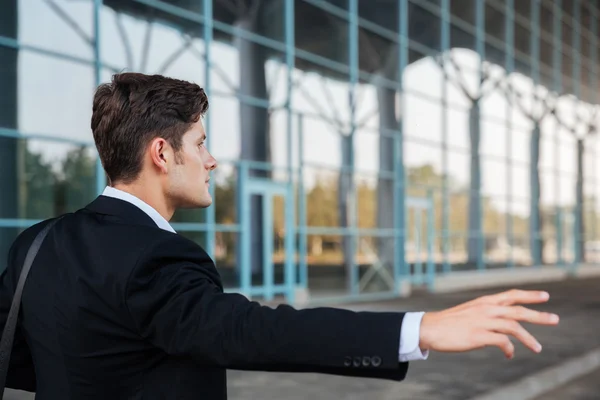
pixel 211 163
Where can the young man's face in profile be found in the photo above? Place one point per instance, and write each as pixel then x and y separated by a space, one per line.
pixel 189 177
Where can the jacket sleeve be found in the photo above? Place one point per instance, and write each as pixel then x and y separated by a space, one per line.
pixel 21 372
pixel 176 301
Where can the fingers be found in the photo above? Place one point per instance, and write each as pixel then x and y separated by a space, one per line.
pixel 501 341
pixel 523 314
pixel 515 296
pixel 515 329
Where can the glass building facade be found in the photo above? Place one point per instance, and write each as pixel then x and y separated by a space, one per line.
pixel 361 143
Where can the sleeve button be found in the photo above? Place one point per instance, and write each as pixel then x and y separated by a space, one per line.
pixel 376 361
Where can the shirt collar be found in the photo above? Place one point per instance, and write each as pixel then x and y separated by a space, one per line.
pixel 148 209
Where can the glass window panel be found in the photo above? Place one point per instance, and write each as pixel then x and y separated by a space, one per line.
pixel 367 146
pixel 7 237
pixel 494 178
pixel 226 250
pixel 325 95
pixel 265 18
pixel 423 119
pixel 495 20
pixel 521 187
pixel 325 36
pixel 423 163
pixel 547 150
pixel 367 199
pixel 425 78
pixel 458 215
pixel 44 179
pixel 61 26
pixel 493 138
pixel 568 190
pixel 322 143
pixel 548 188
pixel 322 203
pixel 521 32
pixel 262 76
pixel 520 142
pixel 458 128
pixel 55 96
pixel 567 155
pixel 385 15
pixel 458 170
pixel 367 107
pixel 226 191
pixel 419 16
pixel 136 42
pixel 547 17
pixel 465 10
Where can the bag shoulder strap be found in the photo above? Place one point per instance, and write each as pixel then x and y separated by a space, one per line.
pixel 8 334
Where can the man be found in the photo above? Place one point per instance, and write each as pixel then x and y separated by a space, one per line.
pixel 119 306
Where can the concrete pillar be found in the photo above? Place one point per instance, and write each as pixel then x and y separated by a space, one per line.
pixel 385 186
pixel 475 241
pixel 580 246
pixel 345 193
pixel 254 125
pixel 535 218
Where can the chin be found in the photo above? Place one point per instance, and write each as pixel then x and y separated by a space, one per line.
pixel 195 202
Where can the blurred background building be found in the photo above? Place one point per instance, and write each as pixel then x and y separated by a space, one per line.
pixel 363 144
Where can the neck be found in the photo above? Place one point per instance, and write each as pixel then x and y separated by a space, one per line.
pixel 150 194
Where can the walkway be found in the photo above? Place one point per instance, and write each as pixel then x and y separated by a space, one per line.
pixel 449 376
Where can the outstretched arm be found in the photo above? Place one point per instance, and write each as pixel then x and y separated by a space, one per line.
pixel 176 301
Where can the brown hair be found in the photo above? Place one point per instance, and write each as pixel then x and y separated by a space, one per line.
pixel 134 109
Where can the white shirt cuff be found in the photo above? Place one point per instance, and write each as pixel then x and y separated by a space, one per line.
pixel 409 338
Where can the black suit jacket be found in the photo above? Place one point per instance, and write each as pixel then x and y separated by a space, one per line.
pixel 117 308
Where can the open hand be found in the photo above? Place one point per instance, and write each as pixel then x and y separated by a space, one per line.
pixel 485 321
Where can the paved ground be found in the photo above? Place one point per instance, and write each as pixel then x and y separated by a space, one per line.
pixel 449 376
pixel 585 388
pixel 452 376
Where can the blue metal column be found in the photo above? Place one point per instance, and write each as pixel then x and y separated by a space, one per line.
pixel 100 175
pixel 353 58
pixel 290 220
pixel 509 40
pixel 207 6
pixel 400 267
pixel 445 47
pixel 417 273
pixel 430 239
pixel 557 78
pixel 245 271
pixel 303 251
pixel 267 244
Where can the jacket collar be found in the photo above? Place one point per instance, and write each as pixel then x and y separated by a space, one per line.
pixel 121 209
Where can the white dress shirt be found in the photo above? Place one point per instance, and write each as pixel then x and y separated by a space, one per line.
pixel 409 336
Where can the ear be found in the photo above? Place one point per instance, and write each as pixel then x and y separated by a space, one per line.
pixel 160 155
